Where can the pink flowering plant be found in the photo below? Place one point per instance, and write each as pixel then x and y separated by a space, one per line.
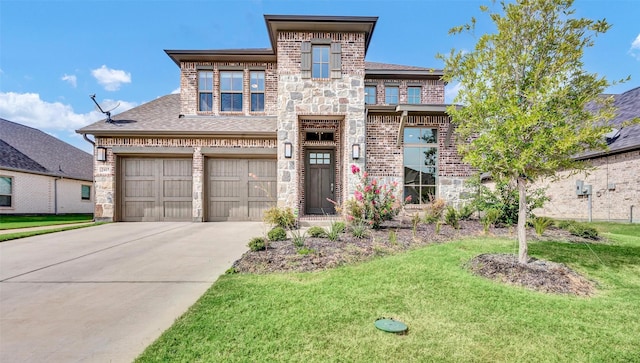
pixel 373 202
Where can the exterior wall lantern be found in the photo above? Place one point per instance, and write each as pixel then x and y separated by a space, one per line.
pixel 101 153
pixel 355 151
pixel 288 150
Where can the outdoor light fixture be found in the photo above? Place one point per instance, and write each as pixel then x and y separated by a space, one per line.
pixel 288 150
pixel 101 153
pixel 355 151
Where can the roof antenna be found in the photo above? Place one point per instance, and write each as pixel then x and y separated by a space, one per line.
pixel 108 112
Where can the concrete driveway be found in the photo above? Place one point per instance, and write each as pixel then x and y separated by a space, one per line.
pixel 102 294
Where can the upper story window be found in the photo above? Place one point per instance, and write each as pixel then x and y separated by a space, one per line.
pixel 256 84
pixel 85 192
pixel 205 90
pixel 413 95
pixel 231 91
pixel 6 191
pixel 320 59
pixel 391 94
pixel 370 95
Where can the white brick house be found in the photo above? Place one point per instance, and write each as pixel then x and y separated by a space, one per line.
pixel 40 174
pixel 253 127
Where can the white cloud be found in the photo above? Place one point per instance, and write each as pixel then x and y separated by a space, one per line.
pixel 72 79
pixel 28 109
pixel 451 91
pixel 111 79
pixel 175 91
pixel 635 48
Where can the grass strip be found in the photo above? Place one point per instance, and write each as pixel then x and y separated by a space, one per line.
pixel 26 221
pixel 12 236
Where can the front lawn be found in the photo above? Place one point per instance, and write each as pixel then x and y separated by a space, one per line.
pixel 18 221
pixel 453 316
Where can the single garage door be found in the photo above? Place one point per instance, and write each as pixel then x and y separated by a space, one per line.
pixel 156 189
pixel 240 189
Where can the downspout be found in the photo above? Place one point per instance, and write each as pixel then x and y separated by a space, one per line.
pixel 84 136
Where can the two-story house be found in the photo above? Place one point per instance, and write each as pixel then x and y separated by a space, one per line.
pixel 254 127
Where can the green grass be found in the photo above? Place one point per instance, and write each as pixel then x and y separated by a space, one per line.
pixel 452 315
pixel 10 236
pixel 13 222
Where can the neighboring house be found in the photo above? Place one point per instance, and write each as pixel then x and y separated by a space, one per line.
pixel 40 174
pixel 284 124
pixel 614 183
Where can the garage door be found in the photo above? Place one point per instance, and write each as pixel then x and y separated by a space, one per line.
pixel 240 189
pixel 156 189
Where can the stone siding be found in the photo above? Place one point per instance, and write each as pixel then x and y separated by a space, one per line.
pixel 615 185
pixel 318 99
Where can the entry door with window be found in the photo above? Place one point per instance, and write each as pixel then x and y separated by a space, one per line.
pixel 320 181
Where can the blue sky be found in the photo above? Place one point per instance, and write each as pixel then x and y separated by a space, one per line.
pixel 54 54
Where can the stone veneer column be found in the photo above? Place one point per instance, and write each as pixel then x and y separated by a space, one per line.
pixel 105 180
pixel 197 187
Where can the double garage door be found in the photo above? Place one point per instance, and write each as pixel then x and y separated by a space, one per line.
pixel 161 189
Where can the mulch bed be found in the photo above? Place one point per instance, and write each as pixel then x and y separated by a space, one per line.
pixel 282 256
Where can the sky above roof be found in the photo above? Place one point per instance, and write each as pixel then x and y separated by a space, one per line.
pixel 54 54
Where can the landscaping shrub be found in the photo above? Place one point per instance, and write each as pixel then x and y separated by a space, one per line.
pixel 489 218
pixel 433 210
pixel 565 224
pixel 339 226
pixel 305 251
pixel 540 224
pixel 505 199
pixel 582 230
pixel 415 221
pixel 393 237
pixel 317 232
pixel 359 229
pixel 373 202
pixel 298 238
pixel 281 217
pixel 277 234
pixel 465 211
pixel 334 231
pixel 257 244
pixel 451 217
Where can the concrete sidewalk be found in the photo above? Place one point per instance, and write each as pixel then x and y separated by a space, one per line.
pixel 102 294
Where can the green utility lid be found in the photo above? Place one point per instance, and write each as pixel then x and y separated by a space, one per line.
pixel 390 325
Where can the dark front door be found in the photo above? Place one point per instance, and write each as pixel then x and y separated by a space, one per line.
pixel 320 181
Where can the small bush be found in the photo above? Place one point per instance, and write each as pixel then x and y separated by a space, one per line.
pixel 257 244
pixel 317 232
pixel 339 226
pixel 306 251
pixel 490 217
pixel 359 229
pixel 231 271
pixel 540 224
pixel 451 217
pixel 438 226
pixel 334 231
pixel 565 224
pixel 465 212
pixel 277 234
pixel 415 221
pixel 583 230
pixel 433 211
pixel 298 238
pixel 393 237
pixel 281 217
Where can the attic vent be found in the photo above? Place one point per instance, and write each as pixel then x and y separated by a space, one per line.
pixel 612 136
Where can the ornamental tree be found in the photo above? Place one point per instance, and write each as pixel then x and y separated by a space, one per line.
pixel 525 95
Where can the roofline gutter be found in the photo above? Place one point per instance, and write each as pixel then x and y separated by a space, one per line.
pixel 45 174
pixel 608 152
pixel 133 133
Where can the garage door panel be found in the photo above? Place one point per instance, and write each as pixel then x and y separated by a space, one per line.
pixel 225 189
pixel 157 189
pixel 240 189
pixel 177 188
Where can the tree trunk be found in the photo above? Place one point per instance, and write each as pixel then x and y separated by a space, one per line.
pixel 523 256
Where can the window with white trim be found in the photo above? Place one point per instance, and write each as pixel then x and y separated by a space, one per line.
pixel 320 61
pixel 256 85
pixel 6 191
pixel 231 91
pixel 205 91
pixel 420 164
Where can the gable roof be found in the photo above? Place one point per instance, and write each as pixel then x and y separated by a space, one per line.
pixel 23 148
pixel 161 117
